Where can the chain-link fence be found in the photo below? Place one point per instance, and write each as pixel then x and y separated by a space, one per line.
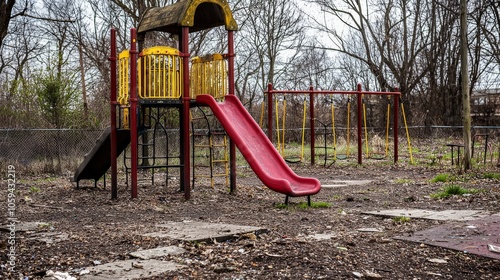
pixel 62 150
pixel 46 150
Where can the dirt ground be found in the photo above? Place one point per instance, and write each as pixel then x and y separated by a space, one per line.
pixel 105 230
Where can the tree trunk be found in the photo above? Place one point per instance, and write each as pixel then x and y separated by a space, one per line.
pixel 465 85
pixel 5 16
pixel 84 88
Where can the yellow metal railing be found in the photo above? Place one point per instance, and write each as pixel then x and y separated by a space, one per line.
pixel 123 87
pixel 123 77
pixel 160 73
pixel 209 76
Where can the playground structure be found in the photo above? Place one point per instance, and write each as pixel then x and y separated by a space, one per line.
pixel 273 115
pixel 148 83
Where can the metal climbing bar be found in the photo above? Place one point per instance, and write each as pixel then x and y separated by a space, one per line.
pixel 217 150
pixel 160 73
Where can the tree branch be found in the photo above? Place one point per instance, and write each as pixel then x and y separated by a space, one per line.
pixel 24 14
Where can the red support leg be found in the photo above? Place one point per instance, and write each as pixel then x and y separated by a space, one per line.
pixel 396 116
pixel 113 104
pixel 312 124
pixel 186 178
pixel 232 146
pixel 360 112
pixel 133 112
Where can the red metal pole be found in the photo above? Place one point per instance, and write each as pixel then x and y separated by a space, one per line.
pixel 230 60
pixel 232 147
pixel 185 183
pixel 133 112
pixel 360 112
pixel 396 116
pixel 113 104
pixel 270 112
pixel 311 123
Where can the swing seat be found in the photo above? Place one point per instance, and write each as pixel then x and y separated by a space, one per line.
pixel 293 159
pixel 377 156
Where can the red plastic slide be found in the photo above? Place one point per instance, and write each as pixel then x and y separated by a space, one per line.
pixel 260 153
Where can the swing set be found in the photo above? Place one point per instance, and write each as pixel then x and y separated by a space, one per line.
pixel 272 101
pixel 280 131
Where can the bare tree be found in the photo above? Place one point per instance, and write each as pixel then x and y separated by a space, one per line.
pixel 270 37
pixel 388 37
pixel 135 8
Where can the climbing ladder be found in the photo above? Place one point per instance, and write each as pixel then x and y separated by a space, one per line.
pixel 210 148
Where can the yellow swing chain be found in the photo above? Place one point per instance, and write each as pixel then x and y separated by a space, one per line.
pixel 333 133
pixel 366 129
pixel 277 124
pixel 262 109
pixel 407 132
pixel 303 130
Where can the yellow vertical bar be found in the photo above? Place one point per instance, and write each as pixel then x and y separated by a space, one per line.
pixel 125 84
pixel 155 77
pixel 177 67
pixel 226 82
pixel 139 80
pixel 154 58
pixel 334 134
pixel 147 88
pixel 168 74
pixel 164 88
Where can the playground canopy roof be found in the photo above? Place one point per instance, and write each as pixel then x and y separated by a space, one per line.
pixel 195 14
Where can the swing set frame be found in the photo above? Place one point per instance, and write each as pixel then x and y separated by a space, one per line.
pixel 359 95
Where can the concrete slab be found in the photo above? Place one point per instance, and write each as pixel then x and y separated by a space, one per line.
pixel 129 269
pixel 158 252
pixel 369 230
pixel 461 215
pixel 26 226
pixel 467 236
pixel 345 183
pixel 321 236
pixel 446 215
pixel 201 231
pixel 49 237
